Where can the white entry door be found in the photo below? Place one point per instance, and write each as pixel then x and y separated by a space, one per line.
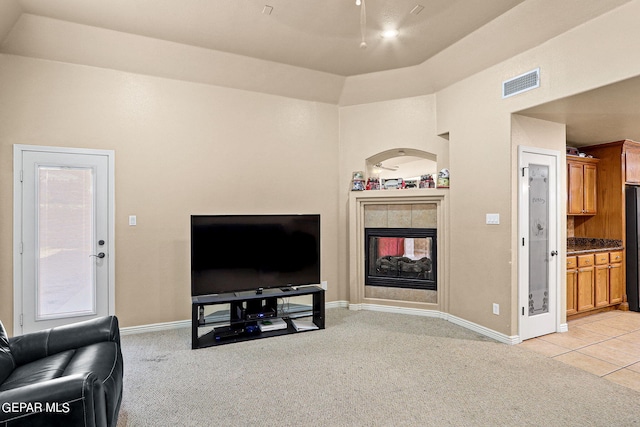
pixel 539 282
pixel 64 236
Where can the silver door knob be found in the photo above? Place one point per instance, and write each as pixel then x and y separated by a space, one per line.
pixel 100 255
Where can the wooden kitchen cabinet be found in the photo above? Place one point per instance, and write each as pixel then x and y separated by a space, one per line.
pixel 572 285
pixel 601 280
pixel 632 164
pixel 586 281
pixel 581 186
pixel 594 281
pixel 616 278
pixel 619 166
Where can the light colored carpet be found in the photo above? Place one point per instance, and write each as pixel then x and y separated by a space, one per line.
pixel 365 369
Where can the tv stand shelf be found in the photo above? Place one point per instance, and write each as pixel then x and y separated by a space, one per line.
pixel 246 309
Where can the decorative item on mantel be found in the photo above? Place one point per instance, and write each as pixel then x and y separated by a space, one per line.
pixel 357 181
pixel 410 183
pixel 373 184
pixel 393 183
pixel 443 178
pixel 426 181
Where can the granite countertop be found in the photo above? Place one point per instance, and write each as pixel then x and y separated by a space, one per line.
pixel 585 245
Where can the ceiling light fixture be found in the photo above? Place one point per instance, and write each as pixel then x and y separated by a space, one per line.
pixel 390 34
pixel 389 168
pixel 363 22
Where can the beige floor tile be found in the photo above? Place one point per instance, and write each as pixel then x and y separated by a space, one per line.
pixel 625 377
pixel 609 353
pixel 603 329
pixel 632 348
pixel 631 337
pixel 595 317
pixel 565 340
pixel 585 335
pixel 635 367
pixel 622 322
pixel 544 347
pixel 611 350
pixel 587 363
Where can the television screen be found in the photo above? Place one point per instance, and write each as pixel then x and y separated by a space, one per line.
pixel 234 253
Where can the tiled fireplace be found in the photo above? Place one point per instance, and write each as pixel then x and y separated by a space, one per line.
pixel 396 254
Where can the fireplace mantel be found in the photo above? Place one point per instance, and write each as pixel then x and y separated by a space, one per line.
pixel 400 202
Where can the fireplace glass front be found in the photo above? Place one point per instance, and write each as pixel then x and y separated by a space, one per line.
pixel 401 257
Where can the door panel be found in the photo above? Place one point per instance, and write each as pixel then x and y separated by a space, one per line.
pixel 575 188
pixel 538 254
pixel 590 189
pixel 66 223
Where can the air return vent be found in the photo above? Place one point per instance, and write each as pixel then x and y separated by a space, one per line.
pixel 521 83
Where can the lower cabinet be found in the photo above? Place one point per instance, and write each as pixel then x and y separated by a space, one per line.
pixel 586 279
pixel 572 285
pixel 601 289
pixel 616 278
pixel 594 281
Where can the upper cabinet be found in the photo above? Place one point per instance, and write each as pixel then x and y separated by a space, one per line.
pixel 581 189
pixel 619 165
pixel 631 155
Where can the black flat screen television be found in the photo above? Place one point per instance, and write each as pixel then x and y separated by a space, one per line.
pixel 236 253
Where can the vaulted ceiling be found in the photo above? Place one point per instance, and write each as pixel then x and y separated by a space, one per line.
pixel 325 35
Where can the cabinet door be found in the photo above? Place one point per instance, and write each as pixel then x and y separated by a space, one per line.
pixel 632 166
pixel 585 292
pixel 615 283
pixel 589 189
pixel 575 190
pixel 602 285
pixel 572 288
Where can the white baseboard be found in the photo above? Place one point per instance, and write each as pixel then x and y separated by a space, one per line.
pixel 506 339
pixel 130 330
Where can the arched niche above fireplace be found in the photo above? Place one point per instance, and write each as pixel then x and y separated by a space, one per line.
pixel 405 163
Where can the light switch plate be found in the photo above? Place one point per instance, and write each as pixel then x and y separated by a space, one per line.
pixel 493 219
pixel 133 220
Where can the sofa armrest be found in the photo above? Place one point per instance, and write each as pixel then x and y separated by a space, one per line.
pixel 29 347
pixel 71 400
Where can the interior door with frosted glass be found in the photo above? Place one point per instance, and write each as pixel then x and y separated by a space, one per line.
pixel 538 255
pixel 65 238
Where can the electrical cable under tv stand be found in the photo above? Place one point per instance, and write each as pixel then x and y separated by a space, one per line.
pixel 247 309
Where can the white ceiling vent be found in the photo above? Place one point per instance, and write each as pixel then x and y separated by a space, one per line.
pixel 522 83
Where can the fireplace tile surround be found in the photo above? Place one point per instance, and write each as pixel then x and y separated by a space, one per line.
pixel 411 208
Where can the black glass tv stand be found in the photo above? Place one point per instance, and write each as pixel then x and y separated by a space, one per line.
pixel 250 311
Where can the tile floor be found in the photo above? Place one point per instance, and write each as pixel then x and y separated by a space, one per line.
pixel 605 344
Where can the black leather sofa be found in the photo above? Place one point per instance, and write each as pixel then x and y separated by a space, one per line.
pixel 66 376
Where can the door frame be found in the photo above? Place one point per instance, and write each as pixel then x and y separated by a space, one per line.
pixel 560 295
pixel 18 150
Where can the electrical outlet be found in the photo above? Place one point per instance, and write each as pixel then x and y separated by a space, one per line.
pixel 496 309
pixel 324 285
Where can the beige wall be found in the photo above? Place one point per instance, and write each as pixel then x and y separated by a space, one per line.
pixel 530 132
pixel 180 149
pixel 186 148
